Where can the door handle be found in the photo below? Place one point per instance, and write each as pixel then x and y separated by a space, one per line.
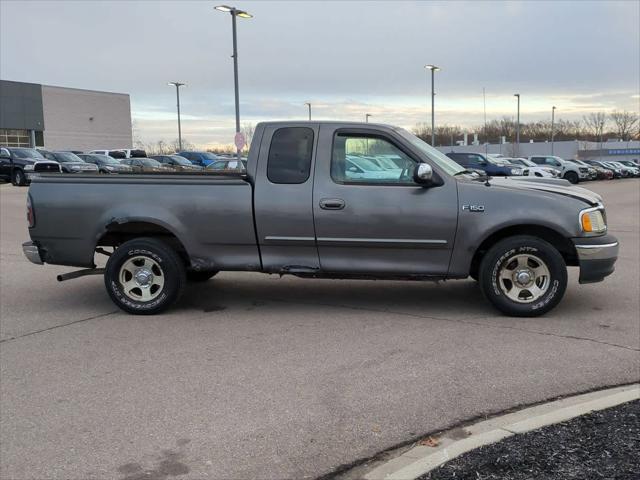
pixel 332 204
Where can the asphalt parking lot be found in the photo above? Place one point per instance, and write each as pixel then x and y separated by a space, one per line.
pixel 255 376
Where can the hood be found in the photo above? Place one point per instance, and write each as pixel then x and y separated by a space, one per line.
pixel 548 185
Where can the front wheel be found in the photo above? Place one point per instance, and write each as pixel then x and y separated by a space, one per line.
pixel 572 177
pixel 523 276
pixel 144 276
pixel 18 178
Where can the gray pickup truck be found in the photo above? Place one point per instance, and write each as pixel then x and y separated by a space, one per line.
pixel 324 199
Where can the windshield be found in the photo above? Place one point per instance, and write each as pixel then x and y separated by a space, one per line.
pixel 181 160
pixel 67 157
pixel 149 162
pixel 105 159
pixel 28 153
pixel 439 158
pixel 209 156
pixel 527 162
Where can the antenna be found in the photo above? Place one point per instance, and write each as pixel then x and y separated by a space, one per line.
pixel 484 101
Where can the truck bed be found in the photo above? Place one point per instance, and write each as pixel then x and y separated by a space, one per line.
pixel 213 217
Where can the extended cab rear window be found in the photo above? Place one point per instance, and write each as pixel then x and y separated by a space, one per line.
pixel 290 155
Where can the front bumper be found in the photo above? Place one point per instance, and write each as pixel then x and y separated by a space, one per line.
pixel 32 253
pixel 597 257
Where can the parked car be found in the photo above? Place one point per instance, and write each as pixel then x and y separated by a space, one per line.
pixel 203 159
pixel 70 162
pixel 533 170
pixel 630 164
pixel 624 173
pixel 105 163
pixel 568 170
pixel 632 171
pixel 602 173
pixel 17 164
pixel 615 171
pixel 490 165
pixel 296 211
pixel 177 163
pixel 145 165
pixel 591 172
pixel 227 164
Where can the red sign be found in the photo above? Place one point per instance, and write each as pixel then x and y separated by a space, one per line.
pixel 240 141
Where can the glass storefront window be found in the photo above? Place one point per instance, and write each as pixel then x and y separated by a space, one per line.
pixel 14 138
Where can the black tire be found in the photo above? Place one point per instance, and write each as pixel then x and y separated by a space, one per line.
pixel 18 178
pixel 201 276
pixel 500 257
pixel 572 177
pixel 152 251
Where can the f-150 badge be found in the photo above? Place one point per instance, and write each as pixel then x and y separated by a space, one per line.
pixel 473 208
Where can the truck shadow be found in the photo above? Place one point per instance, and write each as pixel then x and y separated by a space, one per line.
pixel 254 291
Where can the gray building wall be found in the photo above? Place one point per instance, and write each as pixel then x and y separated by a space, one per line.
pixel 85 119
pixel 21 106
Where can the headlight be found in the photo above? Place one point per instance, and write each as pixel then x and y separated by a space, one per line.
pixel 516 171
pixel 28 166
pixel 592 220
pixel 109 167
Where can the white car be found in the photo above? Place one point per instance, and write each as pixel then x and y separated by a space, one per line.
pixel 533 170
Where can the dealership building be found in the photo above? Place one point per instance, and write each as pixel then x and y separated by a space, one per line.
pixel 57 118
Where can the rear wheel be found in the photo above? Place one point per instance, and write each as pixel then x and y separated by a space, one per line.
pixel 201 276
pixel 523 276
pixel 144 276
pixel 572 177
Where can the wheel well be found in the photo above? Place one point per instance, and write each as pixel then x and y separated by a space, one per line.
pixel 118 233
pixel 562 244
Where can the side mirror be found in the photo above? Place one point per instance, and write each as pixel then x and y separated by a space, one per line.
pixel 423 174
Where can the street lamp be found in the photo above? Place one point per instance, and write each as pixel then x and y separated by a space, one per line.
pixel 242 14
pixel 553 118
pixel 433 69
pixel 518 125
pixel 178 85
pixel 366 117
pixel 308 105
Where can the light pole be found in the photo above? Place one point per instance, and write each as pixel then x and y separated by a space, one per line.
pixel 178 85
pixel 433 69
pixel 366 117
pixel 518 125
pixel 242 14
pixel 309 105
pixel 553 119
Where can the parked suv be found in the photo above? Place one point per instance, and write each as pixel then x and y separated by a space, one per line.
pixel 17 164
pixel 491 166
pixel 569 170
pixel 105 163
pixel 200 158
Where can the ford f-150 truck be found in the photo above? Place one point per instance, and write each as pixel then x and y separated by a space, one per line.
pixel 300 208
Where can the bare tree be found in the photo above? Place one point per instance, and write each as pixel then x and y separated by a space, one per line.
pixel 625 124
pixel 247 130
pixel 595 123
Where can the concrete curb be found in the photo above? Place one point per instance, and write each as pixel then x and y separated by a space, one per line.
pixel 421 459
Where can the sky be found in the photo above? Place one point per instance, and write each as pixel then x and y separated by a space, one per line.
pixel 345 58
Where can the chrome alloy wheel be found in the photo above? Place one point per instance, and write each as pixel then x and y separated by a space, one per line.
pixel 524 278
pixel 141 278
